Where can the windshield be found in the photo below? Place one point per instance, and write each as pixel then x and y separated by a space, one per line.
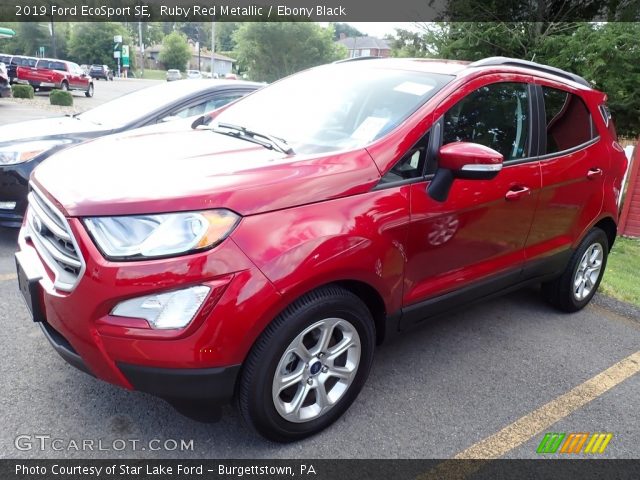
pixel 334 107
pixel 136 106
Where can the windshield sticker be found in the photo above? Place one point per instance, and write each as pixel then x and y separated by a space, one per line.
pixel 369 128
pixel 413 88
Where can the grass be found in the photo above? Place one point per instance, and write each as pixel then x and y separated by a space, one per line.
pixel 622 276
pixel 152 74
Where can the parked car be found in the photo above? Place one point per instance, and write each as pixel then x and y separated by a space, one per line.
pixel 173 74
pixel 5 87
pixel 262 255
pixel 19 61
pixel 48 74
pixel 24 145
pixel 101 72
pixel 194 74
pixel 86 69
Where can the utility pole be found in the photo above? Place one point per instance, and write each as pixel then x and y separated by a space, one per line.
pixel 213 48
pixel 141 47
pixel 53 38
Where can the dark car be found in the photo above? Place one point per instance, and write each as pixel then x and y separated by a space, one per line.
pixel 101 72
pixel 24 145
pixel 5 87
pixel 262 256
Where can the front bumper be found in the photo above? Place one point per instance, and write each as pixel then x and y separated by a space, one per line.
pixel 14 187
pixel 200 362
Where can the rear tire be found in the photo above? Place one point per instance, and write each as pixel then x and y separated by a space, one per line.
pixel 577 285
pixel 321 347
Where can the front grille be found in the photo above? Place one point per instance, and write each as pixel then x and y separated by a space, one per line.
pixel 52 237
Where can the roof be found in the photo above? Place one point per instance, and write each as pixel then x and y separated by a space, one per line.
pixel 353 43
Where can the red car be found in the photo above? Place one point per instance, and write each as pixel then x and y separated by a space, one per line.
pixel 262 255
pixel 55 74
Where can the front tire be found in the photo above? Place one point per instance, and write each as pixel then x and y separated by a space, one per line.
pixel 89 92
pixel 308 366
pixel 577 285
pixel 64 87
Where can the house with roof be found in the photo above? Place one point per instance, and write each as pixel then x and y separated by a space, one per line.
pixel 198 61
pixel 365 46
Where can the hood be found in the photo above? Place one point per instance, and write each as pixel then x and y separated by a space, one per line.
pixel 195 170
pixel 47 128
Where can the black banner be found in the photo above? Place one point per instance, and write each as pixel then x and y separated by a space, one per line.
pixel 583 469
pixel 319 10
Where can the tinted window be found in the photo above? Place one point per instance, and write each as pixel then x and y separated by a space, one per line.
pixel 568 120
pixel 5 59
pixel 496 116
pixel 411 165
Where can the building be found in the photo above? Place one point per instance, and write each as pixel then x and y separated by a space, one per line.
pixel 222 64
pixel 365 46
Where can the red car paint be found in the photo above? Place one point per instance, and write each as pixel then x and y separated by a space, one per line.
pixel 312 220
pixel 54 74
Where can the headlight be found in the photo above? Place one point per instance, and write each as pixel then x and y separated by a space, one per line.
pixel 148 236
pixel 165 310
pixel 23 152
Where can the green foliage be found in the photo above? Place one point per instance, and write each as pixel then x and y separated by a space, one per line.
pixel 62 98
pixel 22 91
pixel 272 50
pixel 348 30
pixel 175 51
pixel 92 42
pixel 606 54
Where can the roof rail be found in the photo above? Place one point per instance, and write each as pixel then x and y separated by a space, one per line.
pixel 485 62
pixel 357 59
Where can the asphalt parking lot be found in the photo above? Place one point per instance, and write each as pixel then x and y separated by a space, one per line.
pixel 444 390
pixel 12 111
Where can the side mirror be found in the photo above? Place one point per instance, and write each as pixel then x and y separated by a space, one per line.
pixel 169 118
pixel 464 160
pixel 470 160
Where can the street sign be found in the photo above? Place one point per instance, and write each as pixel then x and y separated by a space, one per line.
pixel 117 39
pixel 125 55
pixel 116 54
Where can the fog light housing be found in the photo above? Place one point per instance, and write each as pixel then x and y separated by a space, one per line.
pixel 7 205
pixel 170 310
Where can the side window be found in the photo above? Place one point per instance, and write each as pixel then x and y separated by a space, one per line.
pixel 411 165
pixel 208 105
pixel 496 116
pixel 567 118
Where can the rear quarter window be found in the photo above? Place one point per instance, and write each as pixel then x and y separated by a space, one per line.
pixel 568 120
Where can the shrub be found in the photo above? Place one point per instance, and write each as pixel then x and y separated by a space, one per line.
pixel 22 91
pixel 58 97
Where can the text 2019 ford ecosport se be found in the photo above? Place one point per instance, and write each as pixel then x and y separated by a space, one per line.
pixel 261 255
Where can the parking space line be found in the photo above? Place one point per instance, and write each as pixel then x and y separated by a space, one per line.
pixel 5 277
pixel 536 422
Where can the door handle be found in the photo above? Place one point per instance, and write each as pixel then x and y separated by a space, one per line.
pixel 594 173
pixel 517 192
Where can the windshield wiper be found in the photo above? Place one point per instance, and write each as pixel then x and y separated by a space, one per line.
pixel 268 141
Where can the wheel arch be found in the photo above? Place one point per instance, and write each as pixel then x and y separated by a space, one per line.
pixel 610 228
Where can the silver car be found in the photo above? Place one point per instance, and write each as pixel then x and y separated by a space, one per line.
pixel 173 74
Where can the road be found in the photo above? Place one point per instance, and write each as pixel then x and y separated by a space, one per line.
pixel 11 111
pixel 434 393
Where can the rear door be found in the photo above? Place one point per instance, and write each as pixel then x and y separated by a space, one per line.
pixel 476 237
pixel 573 167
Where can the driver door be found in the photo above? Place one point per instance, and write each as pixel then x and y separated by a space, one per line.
pixel 473 242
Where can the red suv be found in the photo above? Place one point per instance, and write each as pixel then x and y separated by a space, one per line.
pixel 263 254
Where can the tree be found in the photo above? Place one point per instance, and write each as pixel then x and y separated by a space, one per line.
pixel 175 51
pixel 348 30
pixel 272 50
pixel 92 42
